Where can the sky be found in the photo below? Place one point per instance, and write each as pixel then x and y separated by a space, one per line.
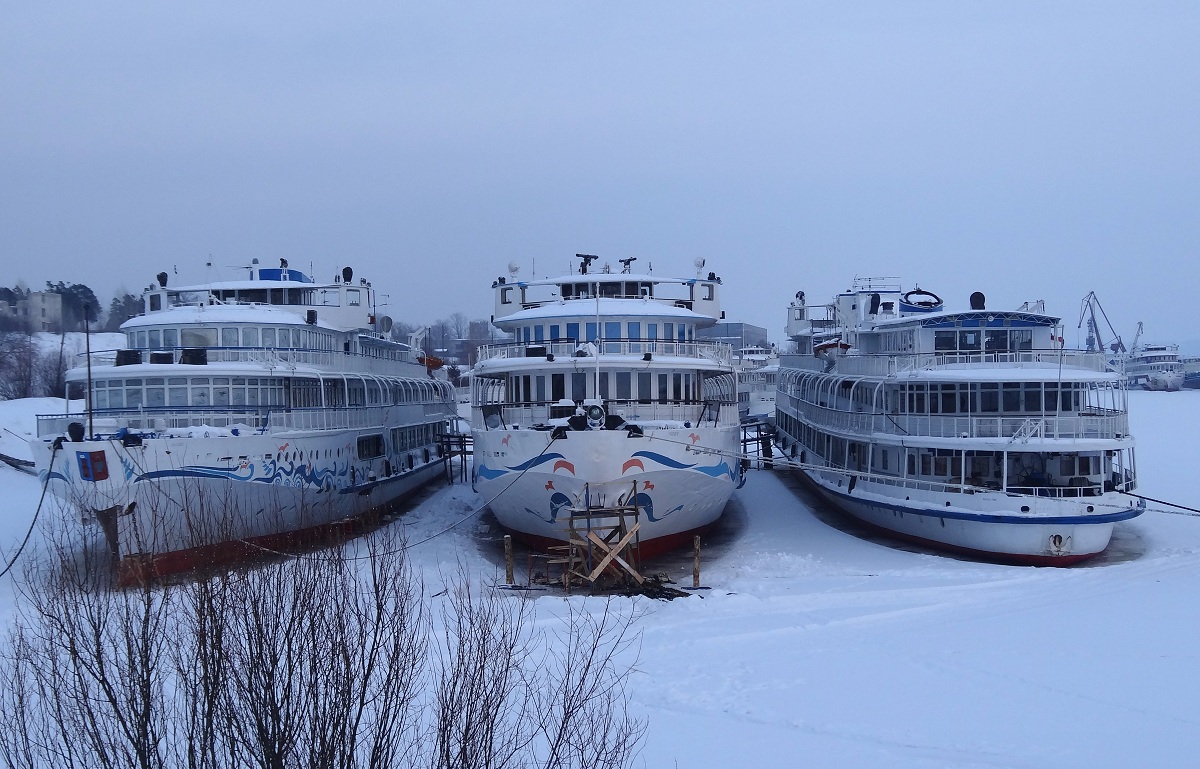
pixel 1028 150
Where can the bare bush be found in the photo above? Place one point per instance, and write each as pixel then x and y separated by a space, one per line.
pixel 322 660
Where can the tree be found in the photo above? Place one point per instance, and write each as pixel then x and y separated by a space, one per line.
pixel 78 301
pixel 120 309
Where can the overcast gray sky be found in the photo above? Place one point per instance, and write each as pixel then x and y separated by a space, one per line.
pixel 1026 149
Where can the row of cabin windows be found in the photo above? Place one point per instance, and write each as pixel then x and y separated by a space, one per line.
pixel 205 392
pixel 403 439
pixel 983 340
pixel 231 336
pixel 326 297
pixel 954 397
pixel 939 464
pixel 613 331
pixel 989 398
pixel 651 387
pixel 628 289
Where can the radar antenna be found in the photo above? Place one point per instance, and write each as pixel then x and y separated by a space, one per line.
pixel 587 260
pixel 626 262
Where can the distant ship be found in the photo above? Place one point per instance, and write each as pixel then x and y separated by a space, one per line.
pixel 1155 367
pixel 970 431
pixel 605 398
pixel 243 415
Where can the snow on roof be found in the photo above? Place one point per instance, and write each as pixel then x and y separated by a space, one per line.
pixel 228 313
pixel 608 308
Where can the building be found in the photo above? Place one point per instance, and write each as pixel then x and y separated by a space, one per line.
pixel 42 310
pixel 739 335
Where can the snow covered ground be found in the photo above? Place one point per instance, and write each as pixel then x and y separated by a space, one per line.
pixel 815 646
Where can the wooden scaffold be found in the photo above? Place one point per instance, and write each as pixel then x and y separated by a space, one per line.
pixel 602 544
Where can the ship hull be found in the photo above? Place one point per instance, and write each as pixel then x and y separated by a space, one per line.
pixel 169 505
pixel 532 482
pixel 986 524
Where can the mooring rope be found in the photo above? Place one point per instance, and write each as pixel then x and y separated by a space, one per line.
pixel 36 513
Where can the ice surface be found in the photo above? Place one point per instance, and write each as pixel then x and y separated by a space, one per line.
pixel 815 646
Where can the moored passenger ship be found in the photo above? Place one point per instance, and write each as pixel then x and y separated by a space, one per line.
pixel 971 431
pixel 242 415
pixel 606 398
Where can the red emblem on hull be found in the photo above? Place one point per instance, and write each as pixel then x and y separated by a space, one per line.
pixel 565 465
pixel 505 441
pixel 635 462
pixel 549 485
pixel 647 486
pixel 694 438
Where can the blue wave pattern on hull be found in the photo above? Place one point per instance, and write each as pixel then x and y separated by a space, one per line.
pixel 275 474
pixel 489 474
pixel 715 471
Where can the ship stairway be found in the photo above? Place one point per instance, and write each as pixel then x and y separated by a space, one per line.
pixel 1032 428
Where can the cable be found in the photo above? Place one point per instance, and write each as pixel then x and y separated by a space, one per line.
pixel 36 513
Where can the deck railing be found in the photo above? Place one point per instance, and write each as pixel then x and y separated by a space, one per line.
pixel 717 352
pixel 1093 423
pixel 883 365
pixel 697 414
pixel 272 419
pixel 269 358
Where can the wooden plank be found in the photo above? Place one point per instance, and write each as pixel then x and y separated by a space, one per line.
pixel 613 554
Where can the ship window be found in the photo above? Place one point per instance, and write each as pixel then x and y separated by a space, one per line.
pixel 1012 397
pixel 229 337
pixel 944 341
pixel 170 337
pixel 578 387
pixel 554 327
pixel 708 291
pixel 610 289
pixel 573 332
pixel 602 378
pixel 506 295
pixel 995 341
pixel 652 331
pixel 268 337
pixel 624 385
pixel 645 386
pixel 969 341
pixel 558 387
pixel 370 446
pixel 612 330
pixel 199 337
pixel 250 337
pixel 948 399
pixel 1021 339
pixel 352 297
pixel 682 333
pixel 541 389
pixel 155 339
pixel 155 302
pixel 539 333
pixel 591 332
pixel 1033 397
pixel 989 397
pixel 662 388
pixel 668 331
pixel 155 392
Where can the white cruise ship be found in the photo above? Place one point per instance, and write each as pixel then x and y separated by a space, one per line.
pixel 973 431
pixel 606 398
pixel 243 415
pixel 1155 367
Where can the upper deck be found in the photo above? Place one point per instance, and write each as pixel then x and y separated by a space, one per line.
pixel 577 294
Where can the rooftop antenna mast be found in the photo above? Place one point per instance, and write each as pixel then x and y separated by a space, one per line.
pixel 626 262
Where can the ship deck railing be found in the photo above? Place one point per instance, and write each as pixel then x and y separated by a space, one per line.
pixel 862 364
pixel 717 352
pixel 636 412
pixel 267 357
pixel 250 419
pixel 1095 423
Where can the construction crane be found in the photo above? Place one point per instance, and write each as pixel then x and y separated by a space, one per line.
pixel 1095 340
